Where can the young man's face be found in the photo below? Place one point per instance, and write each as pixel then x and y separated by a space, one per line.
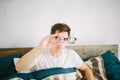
pixel 60 40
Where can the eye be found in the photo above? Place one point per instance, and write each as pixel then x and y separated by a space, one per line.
pixel 56 37
pixel 66 39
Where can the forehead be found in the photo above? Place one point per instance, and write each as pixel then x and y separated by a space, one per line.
pixel 62 34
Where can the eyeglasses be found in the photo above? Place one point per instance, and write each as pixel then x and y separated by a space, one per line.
pixel 62 39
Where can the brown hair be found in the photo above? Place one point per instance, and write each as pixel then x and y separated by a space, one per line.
pixel 61 27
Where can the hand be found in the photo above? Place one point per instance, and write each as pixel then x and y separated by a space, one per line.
pixel 46 42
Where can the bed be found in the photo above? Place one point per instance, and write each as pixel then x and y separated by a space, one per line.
pixel 104 57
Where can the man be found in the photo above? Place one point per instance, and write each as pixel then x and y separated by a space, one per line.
pixel 51 53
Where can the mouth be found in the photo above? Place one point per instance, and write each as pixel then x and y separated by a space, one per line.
pixel 60 46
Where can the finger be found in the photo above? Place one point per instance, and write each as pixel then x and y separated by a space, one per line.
pixel 53 35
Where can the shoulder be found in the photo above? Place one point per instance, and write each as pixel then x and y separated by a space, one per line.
pixel 70 51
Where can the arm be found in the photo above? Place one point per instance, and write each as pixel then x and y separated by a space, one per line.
pixel 88 73
pixel 27 61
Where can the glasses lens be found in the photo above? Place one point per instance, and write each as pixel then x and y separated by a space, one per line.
pixel 72 40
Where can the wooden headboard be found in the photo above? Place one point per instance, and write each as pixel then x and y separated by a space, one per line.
pixel 94 50
pixel 83 51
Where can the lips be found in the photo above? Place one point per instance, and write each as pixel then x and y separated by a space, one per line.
pixel 60 45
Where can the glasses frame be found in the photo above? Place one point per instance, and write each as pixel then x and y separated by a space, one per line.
pixel 72 40
pixel 62 39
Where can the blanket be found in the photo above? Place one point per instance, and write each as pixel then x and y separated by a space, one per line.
pixel 96 64
pixel 46 74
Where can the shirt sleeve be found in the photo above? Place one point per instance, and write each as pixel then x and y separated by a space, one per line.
pixel 78 62
pixel 37 63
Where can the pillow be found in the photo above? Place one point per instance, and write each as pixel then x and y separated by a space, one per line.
pixel 97 66
pixel 26 71
pixel 7 65
pixel 112 65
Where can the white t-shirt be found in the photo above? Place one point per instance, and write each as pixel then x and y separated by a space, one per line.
pixel 68 59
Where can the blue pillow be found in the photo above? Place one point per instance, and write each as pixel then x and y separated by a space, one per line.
pixel 112 65
pixel 7 65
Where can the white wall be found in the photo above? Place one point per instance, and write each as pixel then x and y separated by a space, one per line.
pixel 23 23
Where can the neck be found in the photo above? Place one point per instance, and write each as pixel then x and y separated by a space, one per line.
pixel 55 52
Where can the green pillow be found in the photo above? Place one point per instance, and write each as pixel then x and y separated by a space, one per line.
pixel 7 65
pixel 112 65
